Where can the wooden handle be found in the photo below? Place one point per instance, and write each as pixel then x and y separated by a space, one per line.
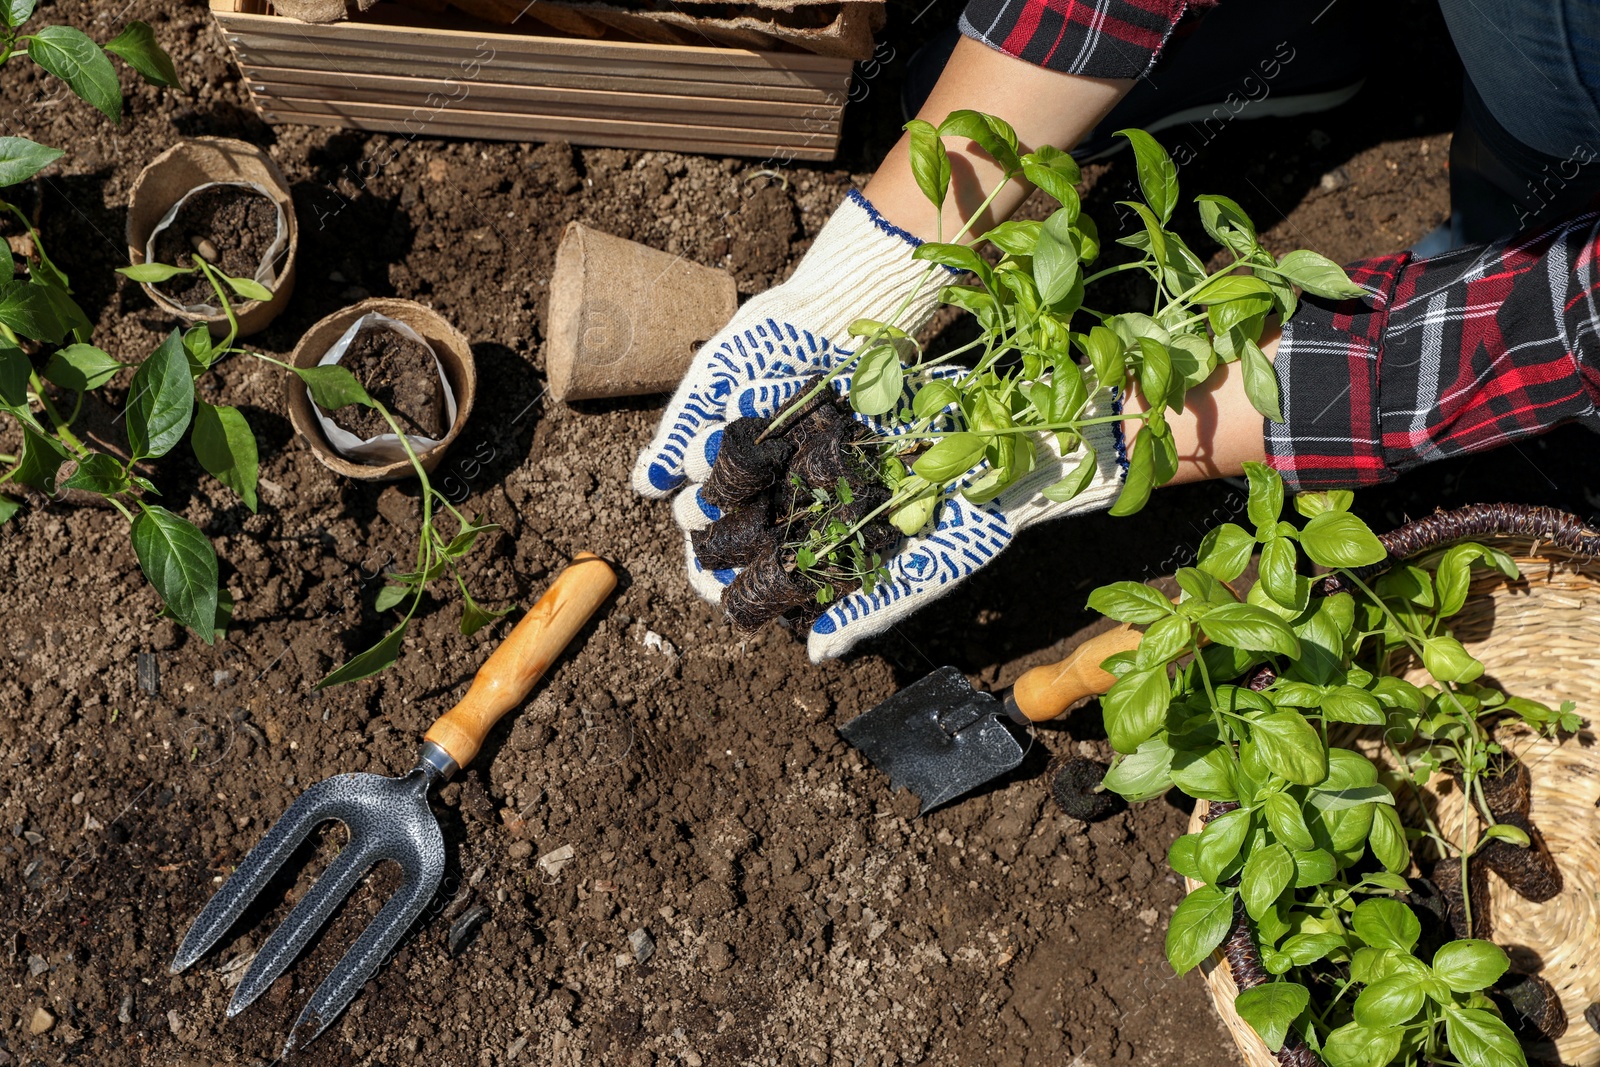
pixel 522 658
pixel 1045 692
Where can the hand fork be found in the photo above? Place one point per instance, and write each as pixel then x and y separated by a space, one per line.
pixel 389 818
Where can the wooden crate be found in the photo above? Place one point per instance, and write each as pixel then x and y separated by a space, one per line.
pixel 409 73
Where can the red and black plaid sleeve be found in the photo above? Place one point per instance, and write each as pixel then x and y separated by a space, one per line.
pixel 1455 354
pixel 1097 38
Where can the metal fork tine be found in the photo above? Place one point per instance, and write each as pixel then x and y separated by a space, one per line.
pixel 365 956
pixel 258 868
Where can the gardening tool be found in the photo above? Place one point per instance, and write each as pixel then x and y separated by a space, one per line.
pixel 941 738
pixel 389 818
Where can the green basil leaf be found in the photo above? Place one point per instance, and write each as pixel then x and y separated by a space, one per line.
pixel 1346 703
pixel 248 288
pixel 9 506
pixel 1207 775
pixel 1158 177
pixel 1180 856
pixel 1288 822
pixel 1319 275
pixel 1354 1045
pixel 1153 239
pixel 1055 258
pixel 1104 350
pixel 1220 843
pixel 1339 539
pixel 1250 627
pixel 1074 483
pixel 1231 287
pixel 1306 949
pixel 16 12
pixel 226 448
pixel 957 257
pixel 365 664
pixel 333 387
pixel 1164 641
pixel 1054 171
pixel 1270 1008
pixel 70 55
pixel 1391 1002
pixel 1018 237
pixel 1313 504
pixel 1261 381
pixel 1140 480
pixel 1143 775
pixel 21 159
pixel 1155 372
pixel 1225 551
pixel 391 595
pixel 1387 839
pixel 1386 924
pixel 1135 707
pixel 1198 926
pixel 152 273
pixel 1265 502
pixel 1290 745
pixel 930 163
pixel 1470 964
pixel 1448 661
pixel 1480 1039
pixel 994 135
pixel 182 566
pixel 1227 224
pixel 1267 873
pixel 950 457
pixel 933 398
pixel 80 367
pixel 1279 574
pixel 136 44
pixel 875 386
pixel 97 473
pixel 1313 867
pixel 160 400
pixel 1130 602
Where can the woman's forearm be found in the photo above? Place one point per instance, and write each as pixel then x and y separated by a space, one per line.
pixel 1044 106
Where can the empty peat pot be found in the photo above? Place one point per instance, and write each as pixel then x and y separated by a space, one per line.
pixel 455 359
pixel 625 319
pixel 187 166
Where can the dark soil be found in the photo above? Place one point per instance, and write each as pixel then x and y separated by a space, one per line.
pixel 232 227
pixel 403 376
pixel 801 912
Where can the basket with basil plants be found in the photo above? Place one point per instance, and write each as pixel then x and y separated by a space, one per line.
pixel 1314 718
pixel 815 502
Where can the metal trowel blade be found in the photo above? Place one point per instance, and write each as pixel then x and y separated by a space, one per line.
pixel 938 737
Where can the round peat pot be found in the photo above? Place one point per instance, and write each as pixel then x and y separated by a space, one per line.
pixel 1536 637
pixel 625 319
pixel 187 166
pixel 455 358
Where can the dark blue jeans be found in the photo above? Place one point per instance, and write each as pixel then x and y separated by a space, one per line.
pixel 1527 149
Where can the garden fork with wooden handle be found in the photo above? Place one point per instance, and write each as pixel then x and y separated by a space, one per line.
pixel 389 818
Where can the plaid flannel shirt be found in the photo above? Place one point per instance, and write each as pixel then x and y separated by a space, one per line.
pixel 1095 38
pixel 1455 354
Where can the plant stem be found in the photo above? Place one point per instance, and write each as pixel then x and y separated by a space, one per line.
pixel 60 425
pixel 1137 264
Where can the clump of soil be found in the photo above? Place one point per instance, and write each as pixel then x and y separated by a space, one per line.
pixel 1075 787
pixel 231 226
pixel 765 486
pixel 400 374
pixel 1530 869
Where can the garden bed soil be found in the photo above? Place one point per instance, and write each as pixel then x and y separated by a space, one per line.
pixel 231 226
pixel 402 375
pixel 801 913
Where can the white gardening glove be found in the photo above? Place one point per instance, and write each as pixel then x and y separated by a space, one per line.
pixel 859 266
pixel 964 538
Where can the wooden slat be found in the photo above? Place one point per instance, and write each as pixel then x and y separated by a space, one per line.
pixel 444 77
pixel 588 129
pixel 523 127
pixel 426 97
pixel 404 41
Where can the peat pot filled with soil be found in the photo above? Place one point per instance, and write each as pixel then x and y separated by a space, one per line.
pixel 223 201
pixel 410 360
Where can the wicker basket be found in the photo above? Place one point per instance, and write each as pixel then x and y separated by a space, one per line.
pixel 1538 637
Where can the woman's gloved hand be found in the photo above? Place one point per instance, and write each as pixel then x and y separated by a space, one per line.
pixel 964 537
pixel 859 266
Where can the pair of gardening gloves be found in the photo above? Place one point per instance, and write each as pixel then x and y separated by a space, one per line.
pixel 860 266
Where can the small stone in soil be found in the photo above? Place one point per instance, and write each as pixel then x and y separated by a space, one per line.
pixel 148 670
pixel 41 1022
pixel 400 374
pixel 237 225
pixel 644 946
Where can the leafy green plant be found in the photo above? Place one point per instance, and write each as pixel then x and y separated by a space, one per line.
pixel 1234 696
pixel 1035 330
pixel 175 556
